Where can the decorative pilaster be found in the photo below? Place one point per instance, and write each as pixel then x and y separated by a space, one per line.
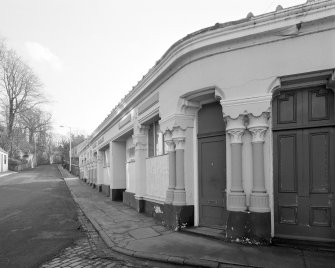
pixel 172 166
pixel 140 142
pixel 95 170
pixel 237 197
pixel 89 172
pixel 179 192
pixel 259 199
pixel 99 167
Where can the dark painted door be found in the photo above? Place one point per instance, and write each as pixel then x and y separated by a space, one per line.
pixel 304 178
pixel 212 166
pixel 212 153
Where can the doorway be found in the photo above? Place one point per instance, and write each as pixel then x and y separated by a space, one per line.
pixel 212 166
pixel 304 179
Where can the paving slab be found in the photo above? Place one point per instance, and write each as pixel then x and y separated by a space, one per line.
pixel 143 233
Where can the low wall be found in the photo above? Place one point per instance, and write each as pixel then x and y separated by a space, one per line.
pixel 19 167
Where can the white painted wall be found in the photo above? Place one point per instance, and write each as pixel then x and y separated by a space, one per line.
pixel 250 71
pixel 157 169
pixel 106 170
pixel 130 168
pixel 241 74
pixel 118 165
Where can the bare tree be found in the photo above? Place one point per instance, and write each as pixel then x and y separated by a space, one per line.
pixel 35 120
pixel 20 91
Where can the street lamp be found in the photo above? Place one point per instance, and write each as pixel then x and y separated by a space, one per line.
pixel 70 153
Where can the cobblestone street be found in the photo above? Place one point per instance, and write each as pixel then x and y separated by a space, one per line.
pixel 91 251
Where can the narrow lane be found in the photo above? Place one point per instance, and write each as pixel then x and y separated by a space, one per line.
pixel 37 217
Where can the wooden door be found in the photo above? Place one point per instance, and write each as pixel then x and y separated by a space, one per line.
pixel 304 178
pixel 212 153
pixel 212 166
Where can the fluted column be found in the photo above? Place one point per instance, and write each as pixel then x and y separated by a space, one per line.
pixel 95 171
pixel 85 170
pixel 91 181
pixel 259 199
pixel 93 167
pixel 140 142
pixel 172 166
pixel 179 192
pixel 236 197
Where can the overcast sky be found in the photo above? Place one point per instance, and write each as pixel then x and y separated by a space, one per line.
pixel 90 53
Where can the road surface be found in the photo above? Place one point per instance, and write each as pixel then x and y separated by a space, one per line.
pixel 37 217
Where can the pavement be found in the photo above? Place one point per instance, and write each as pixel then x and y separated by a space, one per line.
pixel 128 232
pixel 92 252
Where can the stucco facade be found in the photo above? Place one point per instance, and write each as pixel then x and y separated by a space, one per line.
pixel 146 152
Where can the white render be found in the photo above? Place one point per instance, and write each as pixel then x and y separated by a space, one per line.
pixel 242 63
pixel 157 177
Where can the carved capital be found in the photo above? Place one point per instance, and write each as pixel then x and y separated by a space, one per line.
pixel 236 135
pixel 258 134
pixel 235 128
pixel 170 145
pixel 178 137
pixel 180 143
pixel 258 126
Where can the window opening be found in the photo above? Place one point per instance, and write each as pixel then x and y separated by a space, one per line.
pixel 155 140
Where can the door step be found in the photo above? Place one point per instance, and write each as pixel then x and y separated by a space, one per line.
pixel 219 234
pixel 304 244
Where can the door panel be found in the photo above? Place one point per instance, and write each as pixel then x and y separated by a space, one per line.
pixel 288 147
pixel 212 181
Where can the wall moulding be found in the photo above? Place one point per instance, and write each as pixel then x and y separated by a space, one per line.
pixel 236 123
pixel 188 107
pixel 176 121
pixel 125 120
pixel 252 105
pixel 149 114
pixel 260 121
